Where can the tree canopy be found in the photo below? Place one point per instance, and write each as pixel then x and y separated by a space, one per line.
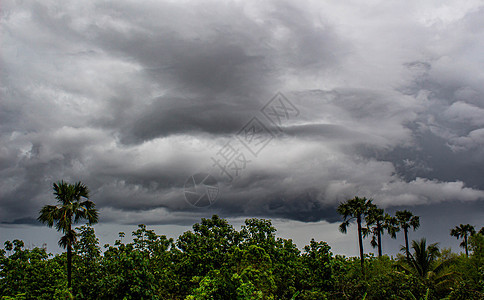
pixel 216 261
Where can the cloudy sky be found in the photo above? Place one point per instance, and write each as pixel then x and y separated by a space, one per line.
pixel 304 104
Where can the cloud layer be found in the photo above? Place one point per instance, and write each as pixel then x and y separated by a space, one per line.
pixel 133 98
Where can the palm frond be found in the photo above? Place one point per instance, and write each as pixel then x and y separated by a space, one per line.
pixel 48 215
pixel 343 226
pixel 373 242
pixel 71 208
pixel 68 239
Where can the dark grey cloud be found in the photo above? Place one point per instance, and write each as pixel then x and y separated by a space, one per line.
pixel 174 115
pixel 133 98
pixel 29 221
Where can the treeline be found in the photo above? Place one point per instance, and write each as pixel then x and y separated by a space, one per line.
pixel 215 261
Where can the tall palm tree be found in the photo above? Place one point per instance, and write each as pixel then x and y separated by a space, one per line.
pixel 73 205
pixel 355 209
pixel 377 222
pixel 374 221
pixel 406 219
pixel 463 231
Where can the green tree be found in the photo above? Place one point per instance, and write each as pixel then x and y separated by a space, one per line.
pixel 382 280
pixel 405 220
pixel 316 264
pixel 286 268
pixel 259 232
pixel 204 249
pixel 86 263
pixel 30 274
pixel 216 285
pixel 283 253
pixel 476 261
pixel 424 263
pixel 355 209
pixel 420 262
pixel 246 274
pixel 138 270
pixel 463 231
pixel 254 273
pixel 73 206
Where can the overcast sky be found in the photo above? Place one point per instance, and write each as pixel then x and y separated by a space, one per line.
pixel 382 99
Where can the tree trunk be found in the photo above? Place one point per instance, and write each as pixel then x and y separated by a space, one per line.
pixel 69 259
pixel 465 244
pixel 405 230
pixel 378 228
pixel 360 240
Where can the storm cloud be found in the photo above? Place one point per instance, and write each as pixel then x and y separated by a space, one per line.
pixel 133 98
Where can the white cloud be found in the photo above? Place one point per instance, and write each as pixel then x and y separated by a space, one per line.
pixel 465 113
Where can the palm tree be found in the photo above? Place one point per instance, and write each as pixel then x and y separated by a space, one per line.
pixel 377 222
pixel 374 220
pixel 391 225
pixel 463 231
pixel 420 262
pixel 423 263
pixel 405 220
pixel 355 209
pixel 73 205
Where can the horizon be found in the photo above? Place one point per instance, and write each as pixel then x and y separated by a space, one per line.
pixel 341 244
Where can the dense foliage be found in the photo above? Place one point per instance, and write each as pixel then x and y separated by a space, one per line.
pixel 216 261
